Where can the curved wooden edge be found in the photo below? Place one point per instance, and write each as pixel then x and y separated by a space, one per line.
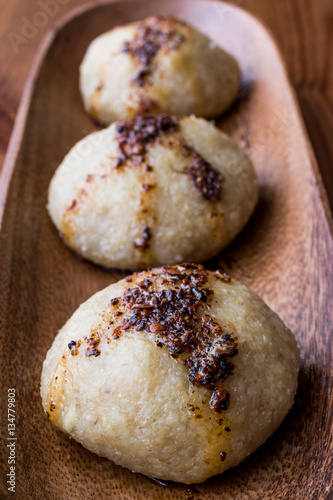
pixel 16 136
pixel 23 109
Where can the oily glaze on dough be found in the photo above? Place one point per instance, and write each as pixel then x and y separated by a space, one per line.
pixel 153 66
pixel 178 373
pixel 153 190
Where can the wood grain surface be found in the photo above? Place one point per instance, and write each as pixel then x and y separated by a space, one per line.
pixel 284 254
pixel 303 29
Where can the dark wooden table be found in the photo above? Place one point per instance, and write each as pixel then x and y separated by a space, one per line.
pixel 303 29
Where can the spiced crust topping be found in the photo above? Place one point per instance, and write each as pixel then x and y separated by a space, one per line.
pixel 176 317
pixel 153 35
pixel 135 135
pixel 206 179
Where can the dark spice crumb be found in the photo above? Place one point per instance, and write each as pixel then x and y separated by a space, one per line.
pixel 223 456
pixel 220 400
pixel 227 429
pixel 206 178
pixel 156 328
pixel 73 347
pixel 222 276
pixel 115 335
pixel 114 301
pixel 143 242
pixel 92 342
pixel 147 187
pixel 92 352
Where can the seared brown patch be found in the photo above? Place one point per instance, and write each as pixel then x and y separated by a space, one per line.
pixel 68 219
pixel 153 34
pixel 145 105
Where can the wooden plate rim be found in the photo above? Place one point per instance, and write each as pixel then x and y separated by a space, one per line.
pixel 22 113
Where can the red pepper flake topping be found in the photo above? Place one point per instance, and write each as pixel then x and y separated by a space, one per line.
pixel 206 179
pixel 135 135
pixel 222 276
pixel 153 34
pixel 147 187
pixel 92 352
pixel 219 400
pixel 175 316
pixel 92 343
pixel 143 242
pixel 223 456
pixel 73 347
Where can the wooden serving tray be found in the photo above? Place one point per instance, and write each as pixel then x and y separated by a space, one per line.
pixel 285 254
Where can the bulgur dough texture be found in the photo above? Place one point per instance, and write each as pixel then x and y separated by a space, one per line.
pixel 153 66
pixel 153 190
pixel 178 373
